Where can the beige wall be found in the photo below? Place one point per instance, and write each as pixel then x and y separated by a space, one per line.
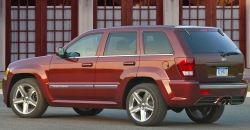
pixel 248 33
pixel 2 35
pixel 85 15
pixel 171 12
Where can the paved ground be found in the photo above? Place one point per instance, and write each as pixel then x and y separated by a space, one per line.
pixel 235 117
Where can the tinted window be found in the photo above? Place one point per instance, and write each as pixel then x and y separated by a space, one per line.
pixel 86 46
pixel 209 42
pixel 121 43
pixel 156 43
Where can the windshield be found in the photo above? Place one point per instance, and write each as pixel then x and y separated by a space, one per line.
pixel 208 42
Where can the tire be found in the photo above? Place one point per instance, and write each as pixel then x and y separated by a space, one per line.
pixel 87 111
pixel 26 99
pixel 205 114
pixel 145 99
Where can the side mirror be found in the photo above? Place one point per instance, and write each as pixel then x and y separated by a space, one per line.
pixel 61 52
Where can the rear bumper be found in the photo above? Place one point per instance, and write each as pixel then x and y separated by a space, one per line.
pixel 191 93
pixel 224 86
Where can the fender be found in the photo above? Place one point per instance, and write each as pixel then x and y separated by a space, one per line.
pixel 160 77
pixel 38 68
pixel 157 74
pixel 125 77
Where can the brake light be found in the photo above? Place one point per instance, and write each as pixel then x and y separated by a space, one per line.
pixel 186 66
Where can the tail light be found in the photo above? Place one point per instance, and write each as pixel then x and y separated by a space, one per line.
pixel 186 66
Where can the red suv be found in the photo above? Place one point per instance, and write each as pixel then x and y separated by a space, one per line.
pixel 145 70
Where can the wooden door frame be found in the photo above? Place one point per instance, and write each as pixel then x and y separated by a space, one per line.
pixel 40 27
pixel 126 8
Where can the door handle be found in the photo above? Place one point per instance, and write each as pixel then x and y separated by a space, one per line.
pixel 129 63
pixel 87 64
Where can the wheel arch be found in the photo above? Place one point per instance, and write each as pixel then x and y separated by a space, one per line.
pixel 133 82
pixel 16 77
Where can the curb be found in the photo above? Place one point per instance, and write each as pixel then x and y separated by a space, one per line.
pixel 248 93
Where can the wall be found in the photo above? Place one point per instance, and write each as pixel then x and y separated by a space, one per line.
pixel 171 12
pixel 85 15
pixel 2 35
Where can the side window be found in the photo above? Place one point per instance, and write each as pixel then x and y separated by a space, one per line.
pixel 121 43
pixel 156 43
pixel 86 46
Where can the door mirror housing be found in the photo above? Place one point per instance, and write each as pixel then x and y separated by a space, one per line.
pixel 61 52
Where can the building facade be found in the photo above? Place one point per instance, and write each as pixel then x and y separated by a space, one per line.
pixel 32 28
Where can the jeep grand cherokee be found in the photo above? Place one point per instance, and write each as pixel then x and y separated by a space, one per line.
pixel 145 70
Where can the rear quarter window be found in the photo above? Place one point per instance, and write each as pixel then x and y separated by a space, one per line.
pixel 156 43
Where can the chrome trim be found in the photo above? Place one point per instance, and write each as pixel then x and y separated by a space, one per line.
pixel 121 56
pixel 71 86
pixel 157 54
pixel 112 86
pixel 212 76
pixel 139 55
pixel 223 86
pixel 118 55
pixel 82 57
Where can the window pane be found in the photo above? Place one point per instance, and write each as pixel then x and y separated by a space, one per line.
pixel 156 43
pixel 86 46
pixel 121 43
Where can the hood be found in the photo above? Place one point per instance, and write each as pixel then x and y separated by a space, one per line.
pixel 42 61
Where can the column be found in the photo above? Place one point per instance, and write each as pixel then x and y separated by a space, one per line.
pixel 2 35
pixel 85 16
pixel 171 12
pixel 248 32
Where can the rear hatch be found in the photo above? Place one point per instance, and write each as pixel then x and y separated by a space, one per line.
pixel 217 58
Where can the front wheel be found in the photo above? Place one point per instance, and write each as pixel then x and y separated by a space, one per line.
pixel 26 99
pixel 87 111
pixel 145 105
pixel 205 114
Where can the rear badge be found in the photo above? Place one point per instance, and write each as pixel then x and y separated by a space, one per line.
pixel 223 59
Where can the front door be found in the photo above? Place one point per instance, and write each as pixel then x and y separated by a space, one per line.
pixel 119 60
pixel 73 77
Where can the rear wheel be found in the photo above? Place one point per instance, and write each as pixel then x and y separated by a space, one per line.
pixel 26 99
pixel 87 111
pixel 145 105
pixel 205 114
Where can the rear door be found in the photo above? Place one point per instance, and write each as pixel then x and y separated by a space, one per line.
pixel 217 58
pixel 119 59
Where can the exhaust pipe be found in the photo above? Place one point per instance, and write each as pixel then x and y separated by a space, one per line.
pixel 223 101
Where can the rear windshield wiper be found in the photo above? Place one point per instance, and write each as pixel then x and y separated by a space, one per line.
pixel 187 32
pixel 220 32
pixel 223 54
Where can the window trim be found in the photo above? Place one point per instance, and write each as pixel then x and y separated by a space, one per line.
pixel 143 48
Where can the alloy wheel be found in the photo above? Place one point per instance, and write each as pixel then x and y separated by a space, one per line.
pixel 141 105
pixel 25 99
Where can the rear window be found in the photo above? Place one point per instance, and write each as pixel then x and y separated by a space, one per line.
pixel 208 42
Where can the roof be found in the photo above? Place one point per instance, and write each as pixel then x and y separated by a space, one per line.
pixel 151 27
